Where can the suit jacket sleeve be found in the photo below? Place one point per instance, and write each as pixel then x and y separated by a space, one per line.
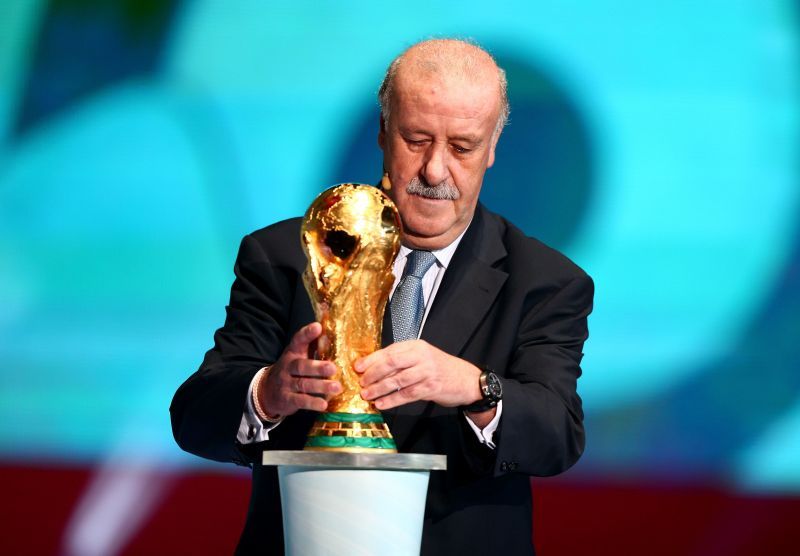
pixel 542 431
pixel 207 409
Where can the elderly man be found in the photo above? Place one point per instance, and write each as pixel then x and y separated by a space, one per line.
pixel 489 379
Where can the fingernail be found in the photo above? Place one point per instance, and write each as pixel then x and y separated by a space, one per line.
pixel 379 404
pixel 357 366
pixel 365 394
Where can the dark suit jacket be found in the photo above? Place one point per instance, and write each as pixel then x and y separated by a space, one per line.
pixel 506 301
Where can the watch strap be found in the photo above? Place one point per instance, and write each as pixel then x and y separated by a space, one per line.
pixel 479 406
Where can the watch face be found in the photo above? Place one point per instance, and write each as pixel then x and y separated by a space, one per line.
pixel 494 387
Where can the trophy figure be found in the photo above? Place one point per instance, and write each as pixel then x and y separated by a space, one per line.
pixel 351 236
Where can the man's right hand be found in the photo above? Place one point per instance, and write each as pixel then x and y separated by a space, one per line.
pixel 296 382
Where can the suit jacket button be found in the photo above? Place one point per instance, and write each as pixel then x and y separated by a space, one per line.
pixel 504 466
pixel 512 466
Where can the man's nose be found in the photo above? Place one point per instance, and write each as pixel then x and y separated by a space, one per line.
pixel 434 169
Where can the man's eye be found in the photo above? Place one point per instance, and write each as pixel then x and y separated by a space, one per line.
pixel 461 150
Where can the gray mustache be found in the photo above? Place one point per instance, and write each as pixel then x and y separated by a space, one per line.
pixel 442 191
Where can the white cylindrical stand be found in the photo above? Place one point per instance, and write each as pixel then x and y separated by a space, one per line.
pixel 339 503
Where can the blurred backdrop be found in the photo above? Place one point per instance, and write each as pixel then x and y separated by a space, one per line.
pixel 655 143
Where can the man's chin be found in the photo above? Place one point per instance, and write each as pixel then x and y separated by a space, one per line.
pixel 426 234
pixel 430 220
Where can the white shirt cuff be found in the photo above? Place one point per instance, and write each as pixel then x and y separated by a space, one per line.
pixel 251 428
pixel 485 436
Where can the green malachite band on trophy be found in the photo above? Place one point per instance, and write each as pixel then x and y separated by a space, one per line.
pixel 350 442
pixel 350 418
pixel 346 432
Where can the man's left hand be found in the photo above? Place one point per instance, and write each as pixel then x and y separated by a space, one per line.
pixel 415 370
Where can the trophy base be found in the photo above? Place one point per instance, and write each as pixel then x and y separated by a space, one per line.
pixel 350 432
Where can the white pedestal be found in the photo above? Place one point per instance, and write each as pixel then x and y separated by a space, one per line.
pixel 338 503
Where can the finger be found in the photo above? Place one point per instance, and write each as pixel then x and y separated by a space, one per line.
pixel 303 337
pixel 390 384
pixel 387 362
pixel 319 348
pixel 312 368
pixel 363 363
pixel 305 401
pixel 315 387
pixel 401 397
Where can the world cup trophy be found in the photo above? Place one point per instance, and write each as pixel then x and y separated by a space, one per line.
pixel 350 235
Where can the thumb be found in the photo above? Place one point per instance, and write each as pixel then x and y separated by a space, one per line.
pixel 298 347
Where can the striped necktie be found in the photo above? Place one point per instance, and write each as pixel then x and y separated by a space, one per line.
pixel 408 303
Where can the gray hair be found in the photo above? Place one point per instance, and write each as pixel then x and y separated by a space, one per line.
pixel 439 53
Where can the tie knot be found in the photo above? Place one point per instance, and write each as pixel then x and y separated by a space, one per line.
pixel 418 263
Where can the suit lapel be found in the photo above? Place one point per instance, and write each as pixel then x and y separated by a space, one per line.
pixel 467 291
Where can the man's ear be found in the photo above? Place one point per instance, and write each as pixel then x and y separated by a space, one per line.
pixel 382 134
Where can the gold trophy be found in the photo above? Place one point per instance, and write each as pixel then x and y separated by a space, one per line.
pixel 351 236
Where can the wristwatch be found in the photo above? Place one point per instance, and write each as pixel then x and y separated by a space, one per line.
pixel 491 390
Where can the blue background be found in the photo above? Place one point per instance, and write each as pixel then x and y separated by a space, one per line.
pixel 657 145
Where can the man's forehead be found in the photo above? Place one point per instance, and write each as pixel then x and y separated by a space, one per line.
pixel 471 97
pixel 450 68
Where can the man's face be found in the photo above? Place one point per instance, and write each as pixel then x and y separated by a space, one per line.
pixel 438 134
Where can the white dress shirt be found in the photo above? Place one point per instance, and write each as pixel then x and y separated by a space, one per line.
pixel 252 429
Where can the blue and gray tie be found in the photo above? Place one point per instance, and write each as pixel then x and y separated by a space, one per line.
pixel 408 303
